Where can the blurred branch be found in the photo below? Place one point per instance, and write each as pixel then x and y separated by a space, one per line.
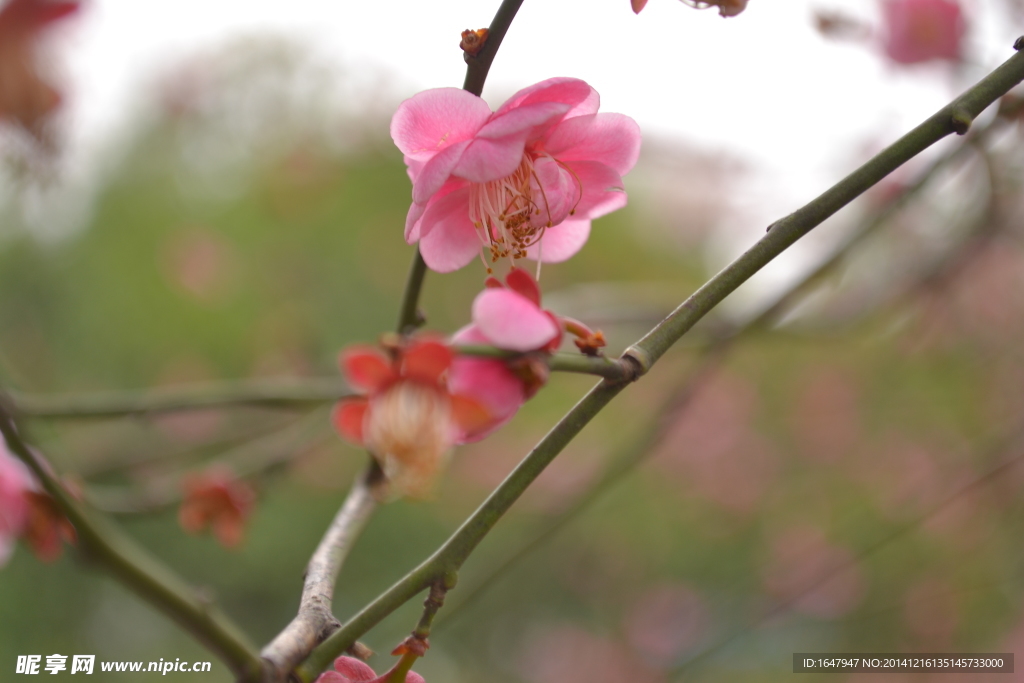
pixel 955 117
pixel 1007 452
pixel 248 460
pixel 102 543
pixel 315 620
pixel 212 396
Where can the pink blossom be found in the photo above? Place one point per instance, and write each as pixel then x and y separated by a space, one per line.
pixel 922 30
pixel 525 180
pixel 410 416
pixel 352 670
pixel 15 483
pixel 219 500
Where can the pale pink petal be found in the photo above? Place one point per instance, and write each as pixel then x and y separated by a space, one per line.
pixel 436 172
pixel 432 120
pixel 511 321
pixel 412 222
pixel 572 91
pixel 450 207
pixel 524 121
pixel 612 139
pixel 561 242
pixel 450 244
pixel 922 30
pixel 413 677
pixel 603 191
pixel 486 380
pixel 486 160
pixel 555 191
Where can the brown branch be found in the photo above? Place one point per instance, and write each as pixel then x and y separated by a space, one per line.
pixel 315 620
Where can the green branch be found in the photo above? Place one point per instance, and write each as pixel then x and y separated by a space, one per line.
pixel 954 118
pixel 102 543
pixel 612 369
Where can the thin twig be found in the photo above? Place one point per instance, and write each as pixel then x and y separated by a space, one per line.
pixel 954 118
pixel 315 620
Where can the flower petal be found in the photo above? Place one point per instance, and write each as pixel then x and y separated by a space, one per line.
pixel 638 5
pixel 485 160
pixel 442 208
pixel 511 321
pixel 524 121
pixel 426 361
pixel 487 383
pixel 366 369
pixel 348 418
pixel 432 120
pixel 520 281
pixel 612 139
pixel 603 190
pixel 450 243
pixel 561 242
pixel 572 91
pixel 436 172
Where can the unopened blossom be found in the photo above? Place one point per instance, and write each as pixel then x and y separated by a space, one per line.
pixel 352 670
pixel 923 30
pixel 15 482
pixel 410 417
pixel 218 500
pixel 524 181
pixel 25 96
pixel 726 8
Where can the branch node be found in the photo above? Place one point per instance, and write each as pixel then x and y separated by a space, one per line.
pixel 961 121
pixel 1018 44
pixel 639 360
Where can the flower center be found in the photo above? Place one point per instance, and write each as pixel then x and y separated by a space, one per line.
pixel 410 430
pixel 501 211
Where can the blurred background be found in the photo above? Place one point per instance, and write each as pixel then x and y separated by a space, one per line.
pixel 217 199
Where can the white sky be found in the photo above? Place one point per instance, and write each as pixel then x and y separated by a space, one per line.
pixel 762 86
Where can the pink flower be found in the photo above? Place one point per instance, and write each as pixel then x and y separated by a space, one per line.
pixel 352 670
pixel 411 416
pixel 922 30
pixel 219 500
pixel 15 482
pixel 510 317
pixel 525 180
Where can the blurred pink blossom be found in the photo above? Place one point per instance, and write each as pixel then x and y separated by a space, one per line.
pixel 525 180
pixel 923 30
pixel 826 419
pixel 15 482
pixel 568 654
pixel 666 622
pixel 821 578
pixel 410 416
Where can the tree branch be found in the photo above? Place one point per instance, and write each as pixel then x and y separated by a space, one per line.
pixel 102 543
pixel 213 396
pixel 955 117
pixel 315 620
